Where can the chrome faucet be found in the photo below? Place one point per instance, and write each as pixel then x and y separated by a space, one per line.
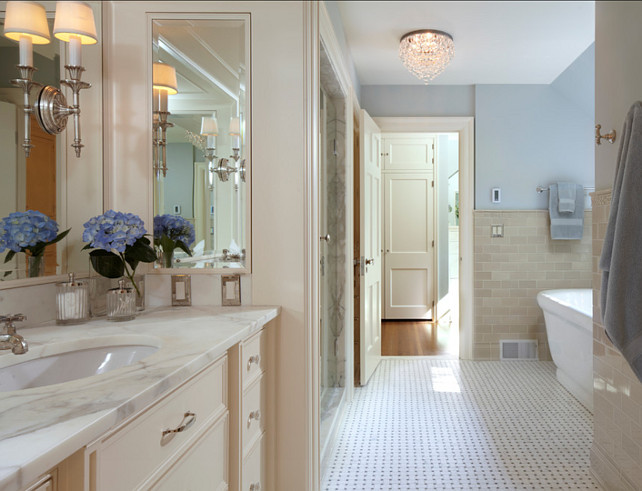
pixel 10 339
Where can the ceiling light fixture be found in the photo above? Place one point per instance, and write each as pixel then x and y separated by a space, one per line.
pixel 426 53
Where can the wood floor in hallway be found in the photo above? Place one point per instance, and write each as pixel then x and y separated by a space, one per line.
pixel 413 338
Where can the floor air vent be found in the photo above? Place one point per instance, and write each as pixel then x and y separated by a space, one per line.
pixel 518 349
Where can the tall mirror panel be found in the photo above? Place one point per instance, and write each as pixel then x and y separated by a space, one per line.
pixel 201 146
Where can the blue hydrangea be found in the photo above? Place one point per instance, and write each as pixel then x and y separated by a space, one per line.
pixel 113 230
pixel 175 227
pixel 24 229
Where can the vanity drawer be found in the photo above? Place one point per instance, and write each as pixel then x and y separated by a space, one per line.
pixel 203 466
pixel 254 468
pixel 252 358
pixel 253 415
pixel 136 450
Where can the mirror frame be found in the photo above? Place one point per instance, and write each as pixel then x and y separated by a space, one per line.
pixel 246 17
pixel 86 172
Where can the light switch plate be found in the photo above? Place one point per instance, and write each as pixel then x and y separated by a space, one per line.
pixel 497 231
pixel 231 290
pixel 181 290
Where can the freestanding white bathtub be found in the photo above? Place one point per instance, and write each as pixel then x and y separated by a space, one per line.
pixel 568 315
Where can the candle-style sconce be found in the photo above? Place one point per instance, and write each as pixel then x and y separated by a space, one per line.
pixel 224 169
pixel 26 22
pixel 164 85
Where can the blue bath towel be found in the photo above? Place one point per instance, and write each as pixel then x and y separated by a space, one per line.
pixel 566 226
pixel 621 260
pixel 567 193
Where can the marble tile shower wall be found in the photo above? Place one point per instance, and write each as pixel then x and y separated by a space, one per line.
pixel 511 270
pixel 336 220
pixel 616 454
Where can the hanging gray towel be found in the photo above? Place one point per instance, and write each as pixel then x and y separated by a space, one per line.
pixel 566 226
pixel 567 192
pixel 621 260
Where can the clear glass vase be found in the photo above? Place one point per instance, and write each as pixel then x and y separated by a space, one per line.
pixel 121 303
pixel 139 279
pixel 35 266
pixel 166 259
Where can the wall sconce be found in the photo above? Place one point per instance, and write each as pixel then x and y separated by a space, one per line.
pixel 209 128
pixel 26 22
pixel 164 85
pixel 224 169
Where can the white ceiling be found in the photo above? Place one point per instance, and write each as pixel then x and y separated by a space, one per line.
pixel 501 42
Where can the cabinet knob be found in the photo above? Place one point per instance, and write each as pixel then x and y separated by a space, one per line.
pixel 370 261
pixel 255 486
pixel 253 359
pixel 256 415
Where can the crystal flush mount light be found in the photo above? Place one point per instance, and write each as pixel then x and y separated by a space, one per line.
pixel 426 53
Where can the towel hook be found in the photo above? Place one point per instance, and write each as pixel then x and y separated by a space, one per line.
pixel 609 137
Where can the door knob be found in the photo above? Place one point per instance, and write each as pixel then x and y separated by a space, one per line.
pixel 369 261
pixel 325 237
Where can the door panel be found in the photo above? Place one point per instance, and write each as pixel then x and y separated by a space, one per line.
pixel 409 153
pixel 370 284
pixel 409 245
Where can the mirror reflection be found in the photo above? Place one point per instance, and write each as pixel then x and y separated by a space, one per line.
pixel 36 165
pixel 201 147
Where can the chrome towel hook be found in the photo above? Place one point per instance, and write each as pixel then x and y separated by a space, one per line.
pixel 609 137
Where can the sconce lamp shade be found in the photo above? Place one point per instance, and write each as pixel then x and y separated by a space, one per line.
pixel 209 126
pixel 75 19
pixel 26 19
pixel 164 78
pixel 235 126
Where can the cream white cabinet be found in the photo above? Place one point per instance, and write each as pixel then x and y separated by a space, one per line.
pixel 208 434
pixel 162 443
pixel 248 414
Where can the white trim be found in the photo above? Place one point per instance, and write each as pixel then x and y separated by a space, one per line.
pixel 465 127
pixel 331 46
pixel 311 61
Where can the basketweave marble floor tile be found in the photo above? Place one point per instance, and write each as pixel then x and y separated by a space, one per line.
pixel 428 424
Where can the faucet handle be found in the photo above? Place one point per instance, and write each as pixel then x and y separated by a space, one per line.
pixel 10 319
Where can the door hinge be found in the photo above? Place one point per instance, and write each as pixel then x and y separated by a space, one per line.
pixel 433 146
pixel 433 243
pixel 433 160
pixel 432 184
pixel 433 304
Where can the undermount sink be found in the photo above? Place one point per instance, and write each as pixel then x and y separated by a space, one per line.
pixel 70 365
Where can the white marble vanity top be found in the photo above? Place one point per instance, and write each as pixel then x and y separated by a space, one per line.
pixel 42 426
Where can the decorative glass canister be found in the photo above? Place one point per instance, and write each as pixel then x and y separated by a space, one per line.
pixel 121 303
pixel 72 301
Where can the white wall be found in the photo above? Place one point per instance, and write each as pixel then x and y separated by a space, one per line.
pixel 280 130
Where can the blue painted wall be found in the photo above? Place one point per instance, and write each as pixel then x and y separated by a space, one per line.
pixel 525 136
pixel 418 100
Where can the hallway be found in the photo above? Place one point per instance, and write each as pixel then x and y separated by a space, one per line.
pixel 428 424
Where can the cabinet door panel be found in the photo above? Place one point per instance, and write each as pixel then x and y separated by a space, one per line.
pixel 203 467
pixel 138 449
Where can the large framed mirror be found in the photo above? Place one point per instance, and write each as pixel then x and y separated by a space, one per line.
pixel 51 180
pixel 202 145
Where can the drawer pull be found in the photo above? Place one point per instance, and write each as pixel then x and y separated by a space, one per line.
pixel 253 359
pixel 253 415
pixel 255 486
pixel 188 420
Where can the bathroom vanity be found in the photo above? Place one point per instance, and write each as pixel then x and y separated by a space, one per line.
pixel 192 415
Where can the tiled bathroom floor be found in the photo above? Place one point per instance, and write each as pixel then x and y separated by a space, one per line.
pixel 428 424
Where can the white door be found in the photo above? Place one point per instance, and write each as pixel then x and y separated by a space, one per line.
pixel 409 244
pixel 370 218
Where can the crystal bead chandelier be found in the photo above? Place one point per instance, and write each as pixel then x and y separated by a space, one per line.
pixel 426 53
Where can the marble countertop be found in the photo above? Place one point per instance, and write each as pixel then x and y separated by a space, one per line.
pixel 42 426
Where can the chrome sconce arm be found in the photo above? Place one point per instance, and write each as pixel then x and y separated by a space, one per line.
pixel 26 83
pixel 52 110
pixel 160 142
